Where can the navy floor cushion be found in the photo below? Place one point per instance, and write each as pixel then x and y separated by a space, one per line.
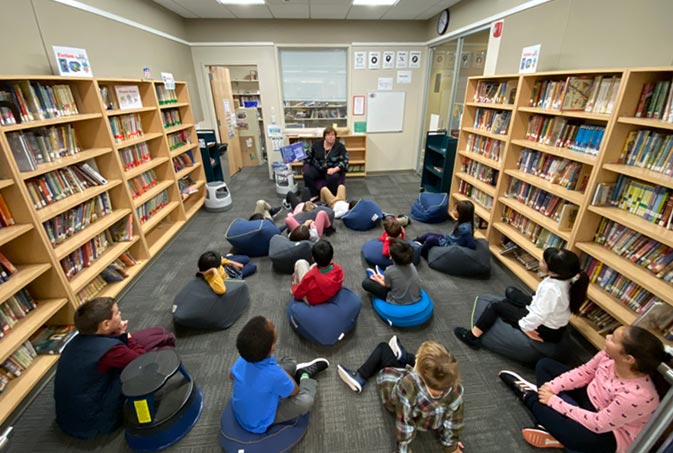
pixel 197 306
pixel 281 437
pixel 461 261
pixel 510 342
pixel 364 216
pixel 372 252
pixel 404 315
pixel 284 253
pixel 431 207
pixel 251 237
pixel 325 323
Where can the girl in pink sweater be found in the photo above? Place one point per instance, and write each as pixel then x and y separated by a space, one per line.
pixel 600 406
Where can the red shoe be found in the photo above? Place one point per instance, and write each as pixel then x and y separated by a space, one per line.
pixel 540 438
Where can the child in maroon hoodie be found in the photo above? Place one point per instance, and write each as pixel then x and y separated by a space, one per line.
pixel 320 281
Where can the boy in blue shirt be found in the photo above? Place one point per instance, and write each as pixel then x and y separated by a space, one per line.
pixel 265 391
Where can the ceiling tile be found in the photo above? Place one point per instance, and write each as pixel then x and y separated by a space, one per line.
pixel 287 2
pixel 250 11
pixel 289 11
pixel 177 8
pixel 409 9
pixel 367 12
pixel 319 11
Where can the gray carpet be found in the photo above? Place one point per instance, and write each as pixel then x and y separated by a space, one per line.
pixel 341 421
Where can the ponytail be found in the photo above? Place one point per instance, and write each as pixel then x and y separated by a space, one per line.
pixel 566 265
pixel 578 291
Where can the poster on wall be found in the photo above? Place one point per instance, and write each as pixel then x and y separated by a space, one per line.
pixel 374 60
pixel 72 61
pixel 388 59
pixel 404 77
pixel 529 59
pixel 358 105
pixel 359 60
pixel 169 80
pixel 402 60
pixel 415 59
pixel 385 84
pixel 465 59
pixel 479 59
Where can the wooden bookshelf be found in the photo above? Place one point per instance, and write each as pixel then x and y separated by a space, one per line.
pixel 356 146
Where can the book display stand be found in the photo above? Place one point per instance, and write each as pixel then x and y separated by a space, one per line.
pixel 95 184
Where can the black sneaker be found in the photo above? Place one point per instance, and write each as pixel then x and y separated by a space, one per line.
pixel 466 337
pixel 519 385
pixel 351 378
pixel 274 211
pixel 330 230
pixel 311 368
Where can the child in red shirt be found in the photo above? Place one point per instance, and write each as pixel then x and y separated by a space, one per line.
pixel 392 230
pixel 319 282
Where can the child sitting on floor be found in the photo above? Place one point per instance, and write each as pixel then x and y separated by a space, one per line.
pixel 392 229
pixel 462 234
pixel 400 284
pixel 317 283
pixel 265 391
pixel 309 230
pixel 423 390
pixel 215 269
pixel 87 387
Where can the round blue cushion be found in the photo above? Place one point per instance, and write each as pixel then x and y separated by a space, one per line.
pixel 251 237
pixel 372 251
pixel 197 306
pixel 431 207
pixel 404 315
pixel 325 323
pixel 280 437
pixel 364 216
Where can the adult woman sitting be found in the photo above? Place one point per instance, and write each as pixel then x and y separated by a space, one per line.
pixel 327 161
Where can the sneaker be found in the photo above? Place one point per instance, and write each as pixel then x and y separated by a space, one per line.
pixel 540 438
pixel 311 368
pixel 466 337
pixel 418 243
pixel 262 206
pixel 351 378
pixel 330 230
pixel 395 347
pixel 379 270
pixel 403 220
pixel 287 205
pixel 274 211
pixel 370 272
pixel 519 385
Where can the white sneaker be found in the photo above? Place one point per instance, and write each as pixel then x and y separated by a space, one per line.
pixel 379 270
pixel 395 347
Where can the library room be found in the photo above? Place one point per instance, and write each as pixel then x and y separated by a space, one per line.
pixel 449 222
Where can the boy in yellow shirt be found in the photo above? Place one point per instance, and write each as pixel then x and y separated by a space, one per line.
pixel 215 269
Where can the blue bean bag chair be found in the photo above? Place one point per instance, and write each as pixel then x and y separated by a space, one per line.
pixel 461 261
pixel 251 237
pixel 372 252
pixel 510 342
pixel 197 306
pixel 281 437
pixel 284 253
pixel 404 315
pixel 326 323
pixel 364 216
pixel 431 207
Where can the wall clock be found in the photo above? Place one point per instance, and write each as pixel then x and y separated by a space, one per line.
pixel 443 22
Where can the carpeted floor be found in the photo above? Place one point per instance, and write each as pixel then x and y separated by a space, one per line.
pixel 341 421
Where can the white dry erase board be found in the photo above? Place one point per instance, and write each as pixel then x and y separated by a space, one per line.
pixel 385 111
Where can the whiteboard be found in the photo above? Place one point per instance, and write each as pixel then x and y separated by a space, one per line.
pixel 385 111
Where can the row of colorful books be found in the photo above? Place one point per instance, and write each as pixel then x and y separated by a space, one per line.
pixel 186 186
pixel 37 101
pixel 657 317
pixel 90 291
pixel 59 184
pixel 480 171
pixel 37 146
pixel 485 146
pixel 482 199
pixel 86 254
pixel 67 224
pixel 52 339
pixel 656 101
pixel 645 148
pixel 493 121
pixel 142 183
pixel 7 269
pixel 178 139
pixel 134 156
pixel 147 210
pixel 495 92
pixel 566 173
pixel 182 161
pixel 6 218
pixel 595 94
pixel 603 322
pixel 542 201
pixel 165 95
pixel 16 364
pixel 122 231
pixel 14 309
pixel 649 201
pixel 562 133
pixel 541 237
pixel 171 117
pixel 126 127
pixel 637 248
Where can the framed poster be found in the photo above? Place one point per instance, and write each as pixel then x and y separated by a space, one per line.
pixel 358 105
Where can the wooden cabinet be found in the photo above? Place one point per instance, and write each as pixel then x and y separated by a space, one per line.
pixel 356 145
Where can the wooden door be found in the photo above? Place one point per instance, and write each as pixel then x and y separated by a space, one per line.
pixel 220 85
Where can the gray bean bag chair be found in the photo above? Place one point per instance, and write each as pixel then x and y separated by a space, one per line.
pixel 284 253
pixel 461 261
pixel 197 306
pixel 510 342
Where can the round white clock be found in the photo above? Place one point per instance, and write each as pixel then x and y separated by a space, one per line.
pixel 443 22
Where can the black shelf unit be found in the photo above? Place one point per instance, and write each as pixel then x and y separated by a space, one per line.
pixel 440 153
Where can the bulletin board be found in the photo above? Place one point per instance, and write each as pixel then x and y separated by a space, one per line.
pixel 385 111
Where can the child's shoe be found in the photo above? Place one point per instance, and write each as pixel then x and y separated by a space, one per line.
pixel 395 347
pixel 466 337
pixel 330 230
pixel 403 220
pixel 274 211
pixel 351 378
pixel 379 270
pixel 262 206
pixel 370 272
pixel 540 438
pixel 312 368
pixel 519 385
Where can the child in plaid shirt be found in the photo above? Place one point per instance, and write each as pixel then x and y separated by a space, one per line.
pixel 422 390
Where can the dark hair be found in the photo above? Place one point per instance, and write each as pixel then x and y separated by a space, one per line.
pixel 465 210
pixel 255 340
pixel 209 260
pixel 322 253
pixel 256 216
pixel 649 352
pixel 566 265
pixel 301 233
pixel 392 227
pixel 328 130
pixel 401 252
pixel 90 314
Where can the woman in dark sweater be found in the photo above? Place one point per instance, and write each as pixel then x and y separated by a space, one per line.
pixel 328 160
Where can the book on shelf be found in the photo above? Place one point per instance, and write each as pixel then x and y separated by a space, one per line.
pixel 128 259
pixel 59 184
pixel 508 247
pixel 178 139
pixel 165 95
pixel 37 101
pixel 108 100
pixel 16 363
pixel 134 156
pixel 128 97
pixel 91 290
pixel 6 218
pixel 53 339
pixel 567 216
pixel 86 254
pixel 46 144
pixel 126 127
pixel 142 183
pixel 122 231
pixel 7 269
pixel 148 209
pixel 171 118
pixel 182 161
pixel 577 92
pixel 66 224
pixel 495 92
pixel 658 317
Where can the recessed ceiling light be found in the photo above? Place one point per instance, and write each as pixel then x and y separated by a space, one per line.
pixel 240 2
pixel 374 2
